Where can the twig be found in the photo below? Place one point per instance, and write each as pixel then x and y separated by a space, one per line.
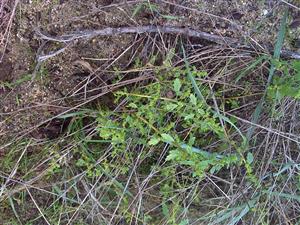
pixel 7 27
pixel 40 58
pixel 88 34
pixel 289 4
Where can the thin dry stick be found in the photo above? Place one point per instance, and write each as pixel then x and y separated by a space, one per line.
pixel 37 206
pixel 14 171
pixel 7 29
pixel 290 4
pixel 88 34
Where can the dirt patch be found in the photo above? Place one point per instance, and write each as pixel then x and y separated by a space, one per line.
pixel 6 68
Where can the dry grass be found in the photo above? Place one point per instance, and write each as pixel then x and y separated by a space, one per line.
pixel 43 183
pixel 7 12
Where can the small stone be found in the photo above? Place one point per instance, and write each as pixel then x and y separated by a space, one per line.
pixel 265 12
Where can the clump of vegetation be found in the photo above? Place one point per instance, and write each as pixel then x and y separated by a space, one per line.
pixel 160 127
pixel 180 132
pixel 167 112
pixel 288 82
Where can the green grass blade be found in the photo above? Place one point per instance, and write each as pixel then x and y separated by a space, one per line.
pixel 14 209
pixel 252 66
pixel 276 56
pixel 220 218
pixel 283 195
pixel 191 78
pixel 200 96
pixel 240 216
pixel 77 113
pixel 281 35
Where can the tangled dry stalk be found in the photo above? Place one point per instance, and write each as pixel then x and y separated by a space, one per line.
pixel 7 12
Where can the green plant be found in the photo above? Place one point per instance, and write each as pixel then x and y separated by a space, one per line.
pixel 168 113
pixel 153 8
pixel 287 84
pixel 18 82
pixel 165 114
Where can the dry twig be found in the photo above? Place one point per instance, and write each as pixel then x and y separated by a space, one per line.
pixel 88 34
pixel 6 19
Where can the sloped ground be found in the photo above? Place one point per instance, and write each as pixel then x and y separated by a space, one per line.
pixel 58 166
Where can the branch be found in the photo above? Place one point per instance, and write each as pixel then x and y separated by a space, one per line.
pixel 88 34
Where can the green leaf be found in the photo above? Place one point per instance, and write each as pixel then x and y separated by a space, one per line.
pixel 296 65
pixel 189 116
pixel 250 157
pixel 168 17
pixel 283 195
pixel 167 138
pixel 174 154
pixel 193 99
pixel 154 141
pixel 133 105
pixel 165 210
pixel 80 163
pixel 184 222
pixel 137 10
pixel 74 114
pixel 191 77
pixel 177 85
pixel 203 165
pixel 171 106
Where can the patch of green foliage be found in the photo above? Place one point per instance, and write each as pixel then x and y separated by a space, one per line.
pixel 11 85
pixel 164 125
pixel 167 112
pixel 287 83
